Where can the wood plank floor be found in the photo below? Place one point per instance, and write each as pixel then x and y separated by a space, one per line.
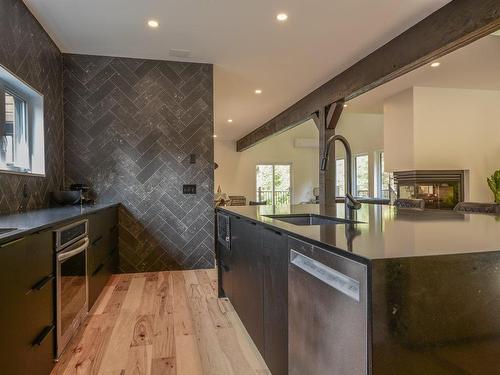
pixel 168 323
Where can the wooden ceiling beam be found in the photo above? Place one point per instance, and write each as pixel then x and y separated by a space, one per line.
pixel 455 25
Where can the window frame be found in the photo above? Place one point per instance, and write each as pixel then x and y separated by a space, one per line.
pixel 273 192
pixel 34 117
pixel 379 176
pixel 355 177
pixel 345 177
pixel 7 89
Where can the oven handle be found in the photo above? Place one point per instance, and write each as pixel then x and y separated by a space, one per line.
pixel 68 254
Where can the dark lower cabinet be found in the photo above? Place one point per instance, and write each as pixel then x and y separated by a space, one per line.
pixel 27 306
pixel 102 254
pixel 247 277
pixel 254 277
pixel 275 287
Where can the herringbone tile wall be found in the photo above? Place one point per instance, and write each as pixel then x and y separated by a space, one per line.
pixel 130 127
pixel 28 52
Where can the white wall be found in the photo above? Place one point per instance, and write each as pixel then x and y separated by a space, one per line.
pixel 365 133
pixel 398 132
pixel 451 129
pixel 236 172
pixel 459 129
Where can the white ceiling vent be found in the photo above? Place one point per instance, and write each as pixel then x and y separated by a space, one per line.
pixel 183 53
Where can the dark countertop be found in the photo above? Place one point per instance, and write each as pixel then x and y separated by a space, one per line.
pixel 37 220
pixel 387 232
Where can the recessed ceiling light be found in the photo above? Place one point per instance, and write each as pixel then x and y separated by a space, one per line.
pixel 435 64
pixel 230 120
pixel 282 17
pixel 153 23
pixel 345 105
pixel 258 91
pixel 215 135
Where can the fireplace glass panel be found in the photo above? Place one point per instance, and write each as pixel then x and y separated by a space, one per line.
pixel 444 195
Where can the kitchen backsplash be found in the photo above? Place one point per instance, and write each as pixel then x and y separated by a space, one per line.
pixel 130 128
pixel 28 52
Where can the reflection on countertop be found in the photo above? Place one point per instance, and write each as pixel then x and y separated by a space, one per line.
pixel 386 231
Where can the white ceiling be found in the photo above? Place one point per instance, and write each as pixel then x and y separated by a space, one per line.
pixel 249 48
pixel 475 66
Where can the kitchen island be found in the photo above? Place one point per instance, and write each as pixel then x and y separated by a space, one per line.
pixel 388 292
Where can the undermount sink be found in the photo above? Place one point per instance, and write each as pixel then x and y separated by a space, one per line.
pixel 310 219
pixel 6 230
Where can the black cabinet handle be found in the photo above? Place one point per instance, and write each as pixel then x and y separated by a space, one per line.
pixel 40 284
pixel 44 230
pixel 113 228
pixel 274 231
pixel 96 240
pixel 42 335
pixel 251 222
pixel 99 267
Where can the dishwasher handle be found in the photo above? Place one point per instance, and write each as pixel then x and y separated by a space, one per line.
pixel 333 278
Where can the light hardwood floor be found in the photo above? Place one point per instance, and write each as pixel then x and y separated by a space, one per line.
pixel 162 323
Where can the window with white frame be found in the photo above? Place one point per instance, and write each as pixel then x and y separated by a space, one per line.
pixel 384 179
pixel 21 126
pixel 340 178
pixel 362 172
pixel 274 184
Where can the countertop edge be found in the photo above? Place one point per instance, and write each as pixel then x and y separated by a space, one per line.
pixel 338 251
pixel 23 232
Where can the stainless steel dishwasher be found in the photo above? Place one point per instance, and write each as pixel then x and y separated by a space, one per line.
pixel 327 312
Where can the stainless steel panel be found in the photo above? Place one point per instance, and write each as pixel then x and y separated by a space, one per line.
pixel 329 276
pixel 69 234
pixel 328 328
pixel 71 291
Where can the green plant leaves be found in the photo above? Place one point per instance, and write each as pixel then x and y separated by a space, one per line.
pixel 494 184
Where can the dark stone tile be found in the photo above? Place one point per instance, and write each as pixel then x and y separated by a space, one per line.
pixel 131 126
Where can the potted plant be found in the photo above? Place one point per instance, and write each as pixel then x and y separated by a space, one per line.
pixel 494 183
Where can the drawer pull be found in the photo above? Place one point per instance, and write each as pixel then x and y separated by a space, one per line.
pixel 251 222
pixel 96 240
pixel 113 228
pixel 40 284
pixel 99 267
pixel 43 335
pixel 274 231
pixel 12 242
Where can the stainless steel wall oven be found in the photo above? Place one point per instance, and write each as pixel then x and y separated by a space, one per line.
pixel 71 280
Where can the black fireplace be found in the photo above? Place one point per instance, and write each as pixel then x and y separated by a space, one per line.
pixel 439 189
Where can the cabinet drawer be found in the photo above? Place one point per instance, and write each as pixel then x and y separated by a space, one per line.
pixel 40 355
pixel 39 257
pixel 99 249
pixel 100 277
pixel 27 311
